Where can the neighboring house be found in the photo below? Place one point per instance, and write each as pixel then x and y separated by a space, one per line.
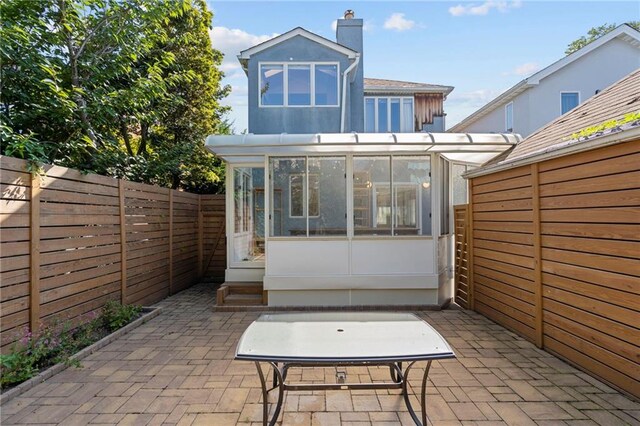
pixel 560 87
pixel 556 236
pixel 333 198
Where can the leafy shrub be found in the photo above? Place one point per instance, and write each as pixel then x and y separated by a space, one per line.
pixel 57 342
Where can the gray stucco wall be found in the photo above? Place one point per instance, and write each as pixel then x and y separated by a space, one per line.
pixel 540 104
pixel 274 120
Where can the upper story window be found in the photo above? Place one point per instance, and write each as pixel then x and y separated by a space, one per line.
pixel 298 84
pixel 508 117
pixel 388 114
pixel 568 101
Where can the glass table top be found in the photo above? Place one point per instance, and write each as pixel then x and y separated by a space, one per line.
pixel 341 337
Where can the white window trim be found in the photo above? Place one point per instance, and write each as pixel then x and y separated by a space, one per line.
pixel 506 124
pixel 569 92
pixel 375 112
pixel 285 84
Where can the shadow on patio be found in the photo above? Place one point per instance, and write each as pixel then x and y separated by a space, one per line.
pixel 178 369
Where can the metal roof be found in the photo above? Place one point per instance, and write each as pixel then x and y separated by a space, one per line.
pixel 468 148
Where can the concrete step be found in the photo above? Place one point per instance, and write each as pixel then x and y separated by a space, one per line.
pixel 243 300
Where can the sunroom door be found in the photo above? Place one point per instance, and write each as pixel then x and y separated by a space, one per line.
pixel 248 245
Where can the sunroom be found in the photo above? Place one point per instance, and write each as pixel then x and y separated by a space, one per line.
pixel 347 219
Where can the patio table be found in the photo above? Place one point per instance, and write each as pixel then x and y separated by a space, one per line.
pixel 334 339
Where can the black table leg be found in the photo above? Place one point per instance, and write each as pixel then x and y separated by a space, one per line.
pixel 265 394
pixel 423 395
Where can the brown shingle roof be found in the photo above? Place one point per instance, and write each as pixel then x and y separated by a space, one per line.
pixel 372 84
pixel 612 103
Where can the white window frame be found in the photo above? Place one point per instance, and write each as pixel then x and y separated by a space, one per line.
pixel 573 92
pixel 375 113
pixel 506 121
pixel 285 84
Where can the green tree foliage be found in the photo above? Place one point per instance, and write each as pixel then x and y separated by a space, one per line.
pixel 594 33
pixel 127 88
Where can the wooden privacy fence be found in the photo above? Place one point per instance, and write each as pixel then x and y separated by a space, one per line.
pixel 72 241
pixel 555 257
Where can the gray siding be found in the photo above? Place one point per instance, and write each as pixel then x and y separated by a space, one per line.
pixel 274 120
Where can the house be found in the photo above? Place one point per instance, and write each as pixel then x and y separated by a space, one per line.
pixel 338 196
pixel 560 87
pixel 556 236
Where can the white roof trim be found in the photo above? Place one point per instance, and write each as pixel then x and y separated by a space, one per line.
pixel 624 32
pixel 445 90
pixel 299 31
pixel 232 147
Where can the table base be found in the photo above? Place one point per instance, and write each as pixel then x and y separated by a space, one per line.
pixel 399 379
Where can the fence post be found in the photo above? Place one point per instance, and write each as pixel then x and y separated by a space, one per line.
pixel 537 255
pixel 123 243
pixel 471 297
pixel 170 241
pixel 200 238
pixel 34 254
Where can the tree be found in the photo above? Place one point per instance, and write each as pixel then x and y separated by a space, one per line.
pixel 595 33
pixel 125 88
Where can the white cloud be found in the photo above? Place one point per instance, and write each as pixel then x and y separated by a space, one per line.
pixel 398 22
pixel 484 8
pixel 230 42
pixel 526 69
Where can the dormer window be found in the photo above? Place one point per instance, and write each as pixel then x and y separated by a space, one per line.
pixel 298 84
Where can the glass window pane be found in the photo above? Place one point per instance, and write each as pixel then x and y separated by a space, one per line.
pixel 372 195
pixel 369 115
pixel 407 115
pixel 272 84
pixel 326 84
pixel 445 200
pixel 248 237
pixel 395 115
pixel 327 196
pixel 459 184
pixel 412 195
pixel 287 195
pixel 382 115
pixel 509 117
pixel 299 86
pixel 569 101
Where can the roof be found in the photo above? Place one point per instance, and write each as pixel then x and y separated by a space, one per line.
pixel 379 85
pixel 623 32
pixel 468 148
pixel 580 129
pixel 244 55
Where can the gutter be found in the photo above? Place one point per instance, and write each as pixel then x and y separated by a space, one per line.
pixel 344 90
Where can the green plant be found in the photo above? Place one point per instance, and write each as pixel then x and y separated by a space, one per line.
pixel 116 315
pixel 610 124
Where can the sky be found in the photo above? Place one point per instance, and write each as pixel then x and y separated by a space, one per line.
pixel 481 48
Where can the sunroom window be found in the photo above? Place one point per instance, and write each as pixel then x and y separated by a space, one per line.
pixel 388 114
pixel 317 201
pixel 392 195
pixel 299 84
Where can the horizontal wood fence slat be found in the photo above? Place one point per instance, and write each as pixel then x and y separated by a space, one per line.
pixel 72 241
pixel 556 254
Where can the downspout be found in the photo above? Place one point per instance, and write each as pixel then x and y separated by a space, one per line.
pixel 344 90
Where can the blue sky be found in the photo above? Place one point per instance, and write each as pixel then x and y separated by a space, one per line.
pixel 481 48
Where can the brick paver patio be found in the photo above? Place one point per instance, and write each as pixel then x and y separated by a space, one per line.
pixel 178 369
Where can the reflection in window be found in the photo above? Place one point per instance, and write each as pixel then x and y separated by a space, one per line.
pixel 568 101
pixel 299 84
pixel 382 115
pixel 446 203
pixel 370 115
pixel 272 84
pixel 508 117
pixel 326 79
pixel 379 210
pixel 395 115
pixel 248 240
